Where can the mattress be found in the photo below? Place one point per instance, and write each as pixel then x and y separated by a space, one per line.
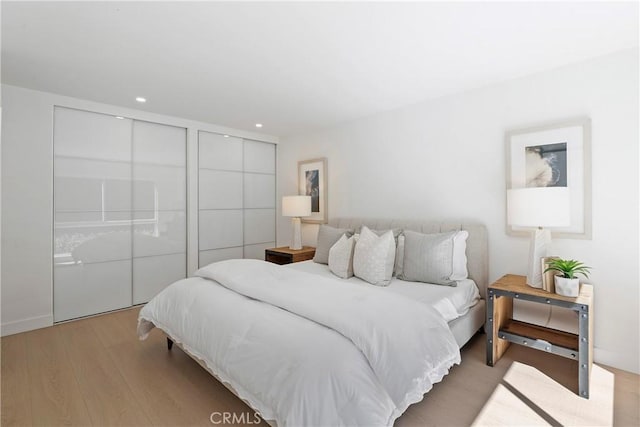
pixel 450 301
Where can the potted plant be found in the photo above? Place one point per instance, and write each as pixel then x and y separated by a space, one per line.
pixel 567 284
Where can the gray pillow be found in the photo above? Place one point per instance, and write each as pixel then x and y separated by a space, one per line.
pixel 432 258
pixel 327 237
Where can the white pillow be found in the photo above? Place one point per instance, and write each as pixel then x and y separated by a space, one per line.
pixel 460 271
pixel 373 257
pixel 341 257
pixel 399 240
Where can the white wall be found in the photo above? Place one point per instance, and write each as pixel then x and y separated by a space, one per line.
pixel 445 158
pixel 27 198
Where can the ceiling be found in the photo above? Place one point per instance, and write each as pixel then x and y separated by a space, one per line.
pixel 295 67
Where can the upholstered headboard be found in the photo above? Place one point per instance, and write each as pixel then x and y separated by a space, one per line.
pixel 477 243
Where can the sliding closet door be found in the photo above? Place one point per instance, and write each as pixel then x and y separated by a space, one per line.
pixel 259 198
pixel 159 208
pixel 220 200
pixel 120 202
pixel 92 213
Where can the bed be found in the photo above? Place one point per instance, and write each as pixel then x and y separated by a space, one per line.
pixel 303 347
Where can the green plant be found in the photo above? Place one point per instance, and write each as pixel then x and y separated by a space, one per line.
pixel 568 267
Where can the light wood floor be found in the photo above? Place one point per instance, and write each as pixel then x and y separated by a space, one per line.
pixel 95 372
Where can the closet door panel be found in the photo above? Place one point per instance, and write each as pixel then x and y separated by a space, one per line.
pixel 85 289
pixel 65 218
pixel 159 167
pixel 220 189
pixel 117 195
pixel 159 144
pixel 259 226
pixel 152 274
pixel 220 229
pixel 92 168
pixel 159 187
pixel 257 251
pixel 259 198
pixel 159 204
pixel 89 185
pixel 215 255
pixel 92 219
pixel 117 216
pixel 88 135
pixel 220 199
pixel 218 152
pixel 259 157
pixel 88 241
pixel 159 233
pixel 74 194
pixel 259 191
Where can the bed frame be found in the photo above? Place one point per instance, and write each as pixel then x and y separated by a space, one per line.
pixel 464 327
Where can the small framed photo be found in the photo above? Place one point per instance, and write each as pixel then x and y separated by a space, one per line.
pixel 312 181
pixel 555 155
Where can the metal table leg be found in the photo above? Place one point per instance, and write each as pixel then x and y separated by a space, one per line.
pixel 489 328
pixel 583 353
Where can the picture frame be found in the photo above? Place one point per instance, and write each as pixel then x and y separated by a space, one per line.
pixel 555 154
pixel 312 181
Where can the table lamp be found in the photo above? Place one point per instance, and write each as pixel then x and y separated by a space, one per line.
pixel 296 207
pixel 538 207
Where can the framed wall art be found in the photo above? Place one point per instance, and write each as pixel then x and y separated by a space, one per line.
pixel 312 181
pixel 555 155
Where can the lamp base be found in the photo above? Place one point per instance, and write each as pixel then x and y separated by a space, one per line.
pixel 537 249
pixel 296 238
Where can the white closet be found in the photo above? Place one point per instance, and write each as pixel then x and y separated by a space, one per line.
pixel 120 211
pixel 236 197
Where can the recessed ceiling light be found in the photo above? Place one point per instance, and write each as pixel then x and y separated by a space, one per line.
pixel 141 99
pixel 119 117
pixel 226 136
pixel 258 125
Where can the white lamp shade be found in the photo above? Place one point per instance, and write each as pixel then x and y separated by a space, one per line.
pixel 296 206
pixel 539 207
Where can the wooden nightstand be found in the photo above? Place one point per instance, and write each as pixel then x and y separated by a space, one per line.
pixel 502 330
pixel 284 255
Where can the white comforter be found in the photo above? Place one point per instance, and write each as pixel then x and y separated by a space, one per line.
pixel 302 349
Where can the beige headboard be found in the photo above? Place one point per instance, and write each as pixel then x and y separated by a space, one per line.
pixel 477 244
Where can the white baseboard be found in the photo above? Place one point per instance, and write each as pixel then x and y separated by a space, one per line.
pixel 626 362
pixel 25 325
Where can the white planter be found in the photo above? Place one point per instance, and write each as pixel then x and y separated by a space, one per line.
pixel 567 287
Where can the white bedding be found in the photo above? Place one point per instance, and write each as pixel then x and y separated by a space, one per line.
pixel 303 349
pixel 450 301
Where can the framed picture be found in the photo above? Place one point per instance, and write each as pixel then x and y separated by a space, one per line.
pixel 312 181
pixel 555 155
